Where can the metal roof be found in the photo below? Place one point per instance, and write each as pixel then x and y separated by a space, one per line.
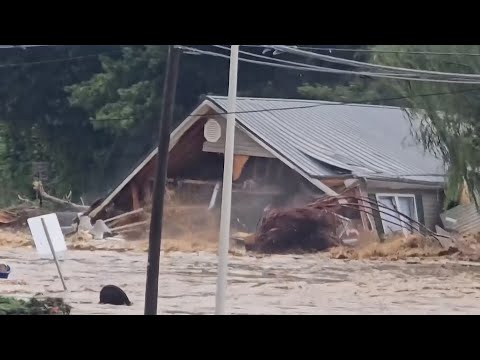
pixel 466 216
pixel 327 138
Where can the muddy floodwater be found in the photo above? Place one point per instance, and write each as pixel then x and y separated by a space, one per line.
pixel 311 284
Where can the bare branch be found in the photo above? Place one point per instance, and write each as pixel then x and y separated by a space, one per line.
pixel 37 186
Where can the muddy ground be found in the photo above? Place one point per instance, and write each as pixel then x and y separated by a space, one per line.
pixel 280 284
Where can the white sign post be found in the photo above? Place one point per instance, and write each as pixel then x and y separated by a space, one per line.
pixel 49 240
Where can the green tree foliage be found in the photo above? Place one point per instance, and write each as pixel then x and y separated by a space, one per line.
pixel 351 88
pixel 37 121
pixel 124 98
pixel 95 114
pixel 449 126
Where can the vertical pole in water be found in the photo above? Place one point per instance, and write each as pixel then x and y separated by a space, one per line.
pixel 155 235
pixel 53 253
pixel 224 237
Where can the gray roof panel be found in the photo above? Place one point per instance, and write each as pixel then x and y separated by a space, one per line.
pixel 366 140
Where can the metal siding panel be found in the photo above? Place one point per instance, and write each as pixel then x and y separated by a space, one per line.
pixel 467 216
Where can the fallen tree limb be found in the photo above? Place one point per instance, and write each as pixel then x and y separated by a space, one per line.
pixel 28 201
pixel 37 186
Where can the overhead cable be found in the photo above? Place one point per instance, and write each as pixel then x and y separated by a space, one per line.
pixel 336 60
pixel 330 70
pixel 380 51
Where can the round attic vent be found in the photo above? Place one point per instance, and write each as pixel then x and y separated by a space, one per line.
pixel 212 131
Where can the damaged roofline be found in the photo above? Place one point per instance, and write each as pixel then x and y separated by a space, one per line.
pixel 316 182
pixel 383 179
pixel 433 185
pixel 174 138
pixel 177 133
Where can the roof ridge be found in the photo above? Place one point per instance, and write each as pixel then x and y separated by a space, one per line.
pixel 240 98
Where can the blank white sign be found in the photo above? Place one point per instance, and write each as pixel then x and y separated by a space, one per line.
pixel 40 238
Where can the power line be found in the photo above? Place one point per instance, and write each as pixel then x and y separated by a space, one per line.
pixel 342 61
pixel 331 49
pixel 338 71
pixel 73 58
pixel 364 103
pixel 302 67
pixel 21 46
pixel 297 63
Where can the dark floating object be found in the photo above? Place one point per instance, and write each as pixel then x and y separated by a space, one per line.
pixel 4 271
pixel 113 295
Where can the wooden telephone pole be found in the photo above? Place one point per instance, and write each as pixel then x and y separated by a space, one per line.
pixel 155 236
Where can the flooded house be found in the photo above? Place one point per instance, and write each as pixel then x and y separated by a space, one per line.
pixel 287 152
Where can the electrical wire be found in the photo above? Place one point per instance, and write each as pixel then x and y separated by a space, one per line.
pixel 330 70
pixel 302 67
pixel 21 46
pixel 296 63
pixel 364 103
pixel 73 58
pixel 338 71
pixel 331 49
pixel 336 60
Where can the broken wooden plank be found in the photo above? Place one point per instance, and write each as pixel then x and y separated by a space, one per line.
pixel 6 217
pixel 123 227
pixel 197 182
pixel 124 215
pixel 239 162
pixel 446 239
pixel 135 196
pixel 258 192
pixel 147 191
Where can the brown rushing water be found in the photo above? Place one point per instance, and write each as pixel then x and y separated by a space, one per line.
pixel 310 284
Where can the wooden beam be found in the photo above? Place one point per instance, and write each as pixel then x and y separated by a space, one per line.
pixel 135 197
pixel 147 192
pixel 129 226
pixel 368 212
pixel 198 182
pixel 124 214
pixel 239 162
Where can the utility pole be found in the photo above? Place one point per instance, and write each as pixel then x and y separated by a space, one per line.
pixel 155 236
pixel 224 238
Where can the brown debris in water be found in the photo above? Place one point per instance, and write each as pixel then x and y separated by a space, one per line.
pixel 395 248
pixel 15 238
pixel 186 227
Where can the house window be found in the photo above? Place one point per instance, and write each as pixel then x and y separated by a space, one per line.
pixel 392 221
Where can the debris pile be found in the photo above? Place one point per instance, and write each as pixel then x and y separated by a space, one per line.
pixel 321 224
pixel 297 229
pixel 17 216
